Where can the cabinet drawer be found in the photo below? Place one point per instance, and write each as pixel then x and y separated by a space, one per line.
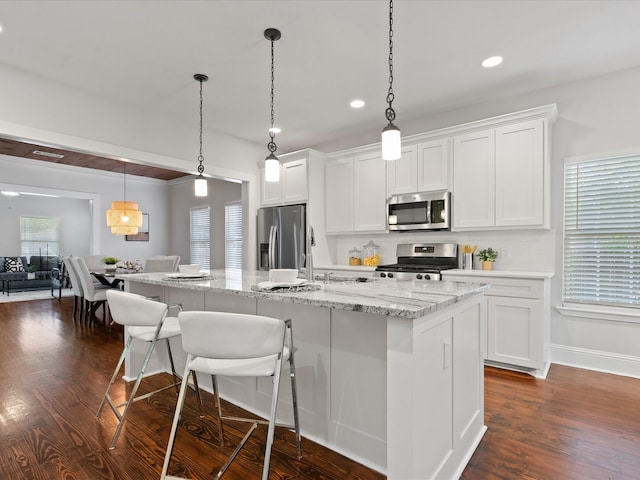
pixel 503 287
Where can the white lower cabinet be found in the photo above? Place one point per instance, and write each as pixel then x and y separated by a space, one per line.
pixel 517 330
pixel 513 331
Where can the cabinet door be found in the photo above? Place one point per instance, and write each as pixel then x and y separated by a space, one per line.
pixel 369 212
pixel 474 180
pixel 433 165
pixel 294 181
pixel 433 358
pixel 520 174
pixel 401 174
pixel 514 330
pixel 339 196
pixel 271 191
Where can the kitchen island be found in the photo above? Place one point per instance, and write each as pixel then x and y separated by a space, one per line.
pixel 390 373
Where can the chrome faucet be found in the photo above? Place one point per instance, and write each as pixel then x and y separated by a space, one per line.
pixel 308 259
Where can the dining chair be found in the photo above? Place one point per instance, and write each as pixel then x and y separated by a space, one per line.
pixel 234 344
pixel 94 295
pixel 162 263
pixel 76 287
pixel 144 320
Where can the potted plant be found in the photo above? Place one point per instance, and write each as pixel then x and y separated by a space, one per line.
pixel 110 263
pixel 31 272
pixel 487 257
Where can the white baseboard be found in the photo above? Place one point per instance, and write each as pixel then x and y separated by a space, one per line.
pixel 607 362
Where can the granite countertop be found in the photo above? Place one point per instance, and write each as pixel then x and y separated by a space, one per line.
pixel 396 298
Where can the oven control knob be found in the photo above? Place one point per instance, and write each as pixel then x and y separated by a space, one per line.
pixel 382 274
pixel 419 276
pixel 390 275
pixel 427 276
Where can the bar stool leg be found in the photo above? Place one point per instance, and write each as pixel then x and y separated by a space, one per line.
pixel 294 388
pixel 214 384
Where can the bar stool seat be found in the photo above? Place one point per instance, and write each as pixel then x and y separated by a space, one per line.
pixel 233 344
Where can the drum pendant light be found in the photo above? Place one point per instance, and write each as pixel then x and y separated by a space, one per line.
pixel 271 163
pixel 391 144
pixel 200 184
pixel 124 218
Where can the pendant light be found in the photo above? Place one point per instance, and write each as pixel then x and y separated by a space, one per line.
pixel 391 144
pixel 200 184
pixel 271 163
pixel 124 218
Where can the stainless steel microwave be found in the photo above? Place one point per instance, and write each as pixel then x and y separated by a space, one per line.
pixel 420 211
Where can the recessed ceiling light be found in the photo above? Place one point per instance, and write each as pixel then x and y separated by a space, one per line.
pixel 10 194
pixel 357 103
pixel 47 154
pixel 275 130
pixel 491 62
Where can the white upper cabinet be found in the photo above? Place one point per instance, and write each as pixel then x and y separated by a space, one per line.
pixel 520 174
pixel 292 187
pixel 499 178
pixel 369 204
pixel 423 167
pixel 474 180
pixel 339 195
pixel 433 165
pixel 402 173
pixel 355 193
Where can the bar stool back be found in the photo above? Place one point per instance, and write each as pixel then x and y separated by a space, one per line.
pixel 232 344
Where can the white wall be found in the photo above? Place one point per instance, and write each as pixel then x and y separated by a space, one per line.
pixel 596 116
pixel 103 188
pixel 182 199
pixel 74 215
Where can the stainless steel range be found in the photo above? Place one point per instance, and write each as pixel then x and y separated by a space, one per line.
pixel 420 261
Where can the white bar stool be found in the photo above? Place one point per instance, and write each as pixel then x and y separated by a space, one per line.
pixel 144 320
pixel 233 344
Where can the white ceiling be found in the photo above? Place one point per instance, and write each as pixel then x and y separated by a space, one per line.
pixel 144 54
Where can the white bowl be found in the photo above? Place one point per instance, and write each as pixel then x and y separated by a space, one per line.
pixel 189 268
pixel 283 275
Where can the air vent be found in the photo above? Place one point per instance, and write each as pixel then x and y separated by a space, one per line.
pixel 47 154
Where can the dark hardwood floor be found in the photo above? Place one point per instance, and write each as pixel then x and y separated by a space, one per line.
pixel 575 425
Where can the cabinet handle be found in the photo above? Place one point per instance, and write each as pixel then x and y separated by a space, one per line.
pixel 446 355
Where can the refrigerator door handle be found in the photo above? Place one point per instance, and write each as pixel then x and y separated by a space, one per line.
pixel 273 238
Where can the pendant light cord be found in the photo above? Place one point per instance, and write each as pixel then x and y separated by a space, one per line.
pixel 200 157
pixel 272 135
pixel 390 113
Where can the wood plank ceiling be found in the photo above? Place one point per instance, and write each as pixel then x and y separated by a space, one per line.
pixel 19 149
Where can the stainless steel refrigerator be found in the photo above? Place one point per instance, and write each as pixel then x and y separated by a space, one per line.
pixel 282 236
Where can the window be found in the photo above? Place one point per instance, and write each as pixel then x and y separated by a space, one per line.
pixel 200 245
pixel 602 232
pixel 233 235
pixel 39 236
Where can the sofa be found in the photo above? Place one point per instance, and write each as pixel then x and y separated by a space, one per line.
pixel 14 272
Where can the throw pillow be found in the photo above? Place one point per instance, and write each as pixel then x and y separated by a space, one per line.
pixel 13 265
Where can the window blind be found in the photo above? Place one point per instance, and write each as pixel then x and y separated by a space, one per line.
pixel 233 235
pixel 39 236
pixel 602 232
pixel 200 236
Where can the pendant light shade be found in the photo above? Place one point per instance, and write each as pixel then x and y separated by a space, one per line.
pixel 271 163
pixel 124 218
pixel 200 184
pixel 391 143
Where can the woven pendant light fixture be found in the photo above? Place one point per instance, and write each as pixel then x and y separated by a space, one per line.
pixel 391 143
pixel 124 218
pixel 271 163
